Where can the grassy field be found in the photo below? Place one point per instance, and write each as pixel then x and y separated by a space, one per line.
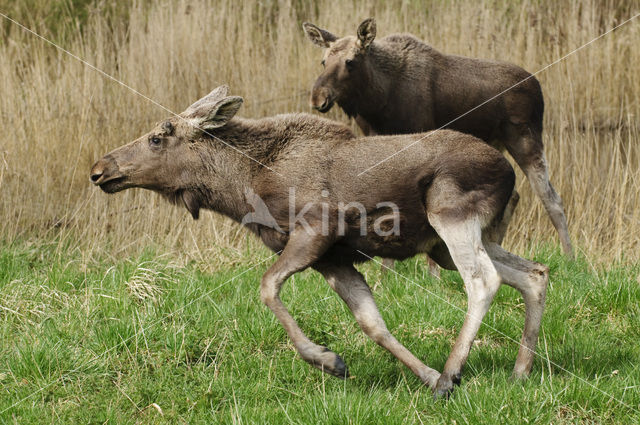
pixel 144 340
pixel 59 116
pixel 121 309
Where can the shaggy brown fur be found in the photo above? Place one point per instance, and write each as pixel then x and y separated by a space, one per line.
pixel 401 85
pixel 450 196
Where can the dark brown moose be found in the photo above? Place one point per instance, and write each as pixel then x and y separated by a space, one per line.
pixel 291 180
pixel 400 85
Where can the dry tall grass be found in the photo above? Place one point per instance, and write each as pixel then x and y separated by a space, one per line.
pixel 59 116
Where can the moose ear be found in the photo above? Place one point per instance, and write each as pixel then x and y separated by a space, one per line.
pixel 318 36
pixel 215 95
pixel 366 33
pixel 210 115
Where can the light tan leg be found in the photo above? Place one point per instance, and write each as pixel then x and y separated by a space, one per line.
pixel 525 146
pixel 300 252
pixel 539 178
pixel 506 217
pixel 434 268
pixel 355 292
pixel 387 264
pixel 481 281
pixel 531 280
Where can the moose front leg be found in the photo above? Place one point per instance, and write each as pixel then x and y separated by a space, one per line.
pixel 301 251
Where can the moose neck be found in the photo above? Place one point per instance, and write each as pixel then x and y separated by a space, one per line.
pixel 257 139
pixel 230 160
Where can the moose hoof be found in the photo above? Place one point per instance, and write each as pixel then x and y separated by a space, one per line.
pixel 429 377
pixel 442 394
pixel 338 368
pixel 445 385
pixel 326 360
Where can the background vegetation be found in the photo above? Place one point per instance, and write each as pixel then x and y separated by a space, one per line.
pixel 109 304
pixel 59 116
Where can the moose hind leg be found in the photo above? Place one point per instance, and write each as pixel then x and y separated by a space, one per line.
pixel 501 228
pixel 387 264
pixel 434 268
pixel 352 288
pixel 299 253
pixel 481 282
pixel 530 279
pixel 538 176
pixel 528 152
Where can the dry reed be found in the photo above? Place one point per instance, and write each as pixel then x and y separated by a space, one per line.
pixel 59 116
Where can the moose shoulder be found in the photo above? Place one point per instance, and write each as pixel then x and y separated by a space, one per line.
pixel 400 85
pixel 292 179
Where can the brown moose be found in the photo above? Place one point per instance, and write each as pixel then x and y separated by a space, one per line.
pixel 448 200
pixel 400 85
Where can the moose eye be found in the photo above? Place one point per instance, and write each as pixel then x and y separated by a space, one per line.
pixel 349 63
pixel 322 63
pixel 154 141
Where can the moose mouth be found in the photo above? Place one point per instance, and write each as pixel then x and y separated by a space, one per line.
pixel 326 105
pixel 113 185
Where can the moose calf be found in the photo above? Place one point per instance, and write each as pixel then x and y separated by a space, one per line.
pixel 446 199
pixel 400 85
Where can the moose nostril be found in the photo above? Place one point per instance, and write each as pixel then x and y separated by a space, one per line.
pixel 95 177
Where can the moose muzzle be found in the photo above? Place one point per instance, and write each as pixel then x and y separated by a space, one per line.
pixel 322 99
pixel 106 175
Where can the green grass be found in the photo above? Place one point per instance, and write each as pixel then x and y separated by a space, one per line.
pixel 202 348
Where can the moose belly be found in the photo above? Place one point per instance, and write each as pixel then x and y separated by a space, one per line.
pixel 388 235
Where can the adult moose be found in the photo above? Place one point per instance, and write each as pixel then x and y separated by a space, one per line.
pixel 449 198
pixel 400 85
